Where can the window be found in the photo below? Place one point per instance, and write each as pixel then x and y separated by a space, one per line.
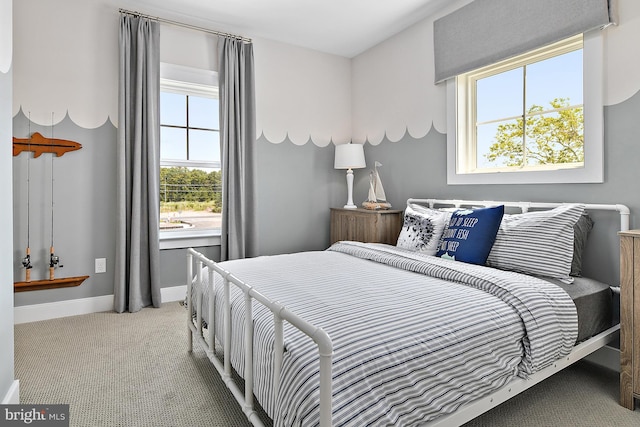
pixel 190 179
pixel 525 119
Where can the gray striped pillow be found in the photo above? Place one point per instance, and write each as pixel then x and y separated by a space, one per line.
pixel 538 243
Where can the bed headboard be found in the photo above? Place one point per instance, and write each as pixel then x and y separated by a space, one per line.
pixel 602 255
pixel 526 206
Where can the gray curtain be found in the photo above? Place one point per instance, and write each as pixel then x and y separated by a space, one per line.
pixel 137 281
pixel 238 148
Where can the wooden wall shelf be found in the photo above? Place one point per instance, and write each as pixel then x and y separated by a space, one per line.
pixel 36 285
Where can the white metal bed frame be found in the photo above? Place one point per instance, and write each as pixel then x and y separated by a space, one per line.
pixel 323 341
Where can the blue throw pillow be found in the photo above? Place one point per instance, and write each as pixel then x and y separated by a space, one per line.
pixel 470 234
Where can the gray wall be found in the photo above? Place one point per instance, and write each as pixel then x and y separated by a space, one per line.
pixel 84 206
pixel 84 197
pixel 296 187
pixel 298 184
pixel 173 264
pixel 417 168
pixel 6 228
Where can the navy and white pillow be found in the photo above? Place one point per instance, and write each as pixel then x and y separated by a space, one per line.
pixel 422 229
pixel 539 243
pixel 470 233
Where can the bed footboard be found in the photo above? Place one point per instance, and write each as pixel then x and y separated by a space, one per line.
pixel 280 314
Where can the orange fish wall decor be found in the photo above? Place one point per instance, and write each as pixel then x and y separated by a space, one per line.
pixel 40 144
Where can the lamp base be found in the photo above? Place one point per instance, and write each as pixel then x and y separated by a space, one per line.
pixel 350 204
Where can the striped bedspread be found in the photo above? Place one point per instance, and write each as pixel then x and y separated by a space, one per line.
pixel 414 336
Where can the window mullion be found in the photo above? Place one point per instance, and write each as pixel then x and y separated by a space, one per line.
pixel 524 116
pixel 187 108
pixel 472 152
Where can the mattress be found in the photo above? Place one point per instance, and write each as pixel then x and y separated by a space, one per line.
pixel 594 304
pixel 428 342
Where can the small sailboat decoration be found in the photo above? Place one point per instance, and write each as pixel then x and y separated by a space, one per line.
pixel 377 199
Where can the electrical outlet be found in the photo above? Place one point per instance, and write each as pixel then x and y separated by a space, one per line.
pixel 101 265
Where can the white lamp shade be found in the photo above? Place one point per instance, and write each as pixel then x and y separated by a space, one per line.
pixel 349 156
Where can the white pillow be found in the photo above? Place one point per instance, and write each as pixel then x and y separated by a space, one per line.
pixel 422 229
pixel 538 243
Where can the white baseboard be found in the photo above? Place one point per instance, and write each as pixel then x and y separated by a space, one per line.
pixel 74 307
pixel 174 293
pixel 54 310
pixel 13 394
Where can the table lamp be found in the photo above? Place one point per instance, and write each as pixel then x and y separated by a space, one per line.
pixel 349 156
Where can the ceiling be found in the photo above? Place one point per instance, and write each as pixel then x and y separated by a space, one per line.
pixel 340 27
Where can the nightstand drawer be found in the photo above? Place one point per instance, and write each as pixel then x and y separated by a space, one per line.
pixel 364 225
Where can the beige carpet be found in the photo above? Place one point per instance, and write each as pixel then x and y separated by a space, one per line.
pixel 122 370
pixel 134 370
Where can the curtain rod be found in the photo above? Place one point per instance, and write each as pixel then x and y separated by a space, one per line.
pixel 192 27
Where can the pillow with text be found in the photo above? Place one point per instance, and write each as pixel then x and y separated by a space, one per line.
pixel 470 233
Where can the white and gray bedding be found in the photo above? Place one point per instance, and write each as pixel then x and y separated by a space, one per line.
pixel 414 336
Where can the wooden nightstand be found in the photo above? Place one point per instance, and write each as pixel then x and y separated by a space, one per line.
pixel 629 318
pixel 364 225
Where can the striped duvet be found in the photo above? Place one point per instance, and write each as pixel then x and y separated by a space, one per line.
pixel 414 336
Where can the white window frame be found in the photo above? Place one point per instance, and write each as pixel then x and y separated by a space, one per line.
pixel 593 169
pixel 188 81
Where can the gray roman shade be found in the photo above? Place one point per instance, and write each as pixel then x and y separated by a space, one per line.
pixel 487 31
